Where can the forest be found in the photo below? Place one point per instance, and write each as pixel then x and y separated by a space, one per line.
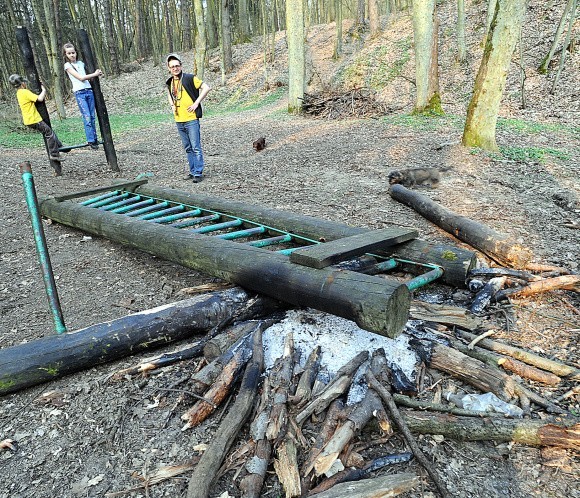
pixel 233 380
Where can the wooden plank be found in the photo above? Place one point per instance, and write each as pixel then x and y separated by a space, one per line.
pixel 330 253
pixel 83 193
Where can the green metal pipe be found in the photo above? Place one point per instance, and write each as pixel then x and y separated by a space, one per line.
pixel 90 202
pixel 41 248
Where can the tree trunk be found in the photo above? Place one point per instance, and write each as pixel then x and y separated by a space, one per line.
pixel 338 39
pixel 243 22
pixel 296 54
pixel 461 49
pixel 54 356
pixel 425 31
pixel 184 6
pixel 113 56
pixel 200 39
pixel 374 19
pixel 543 69
pixel 226 28
pixel 482 112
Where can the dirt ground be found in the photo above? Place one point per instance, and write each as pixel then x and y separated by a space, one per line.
pixel 94 436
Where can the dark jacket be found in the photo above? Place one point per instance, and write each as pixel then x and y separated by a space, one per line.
pixel 189 87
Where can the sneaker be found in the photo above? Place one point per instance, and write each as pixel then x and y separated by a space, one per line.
pixel 94 145
pixel 57 158
pixel 197 179
pixel 188 177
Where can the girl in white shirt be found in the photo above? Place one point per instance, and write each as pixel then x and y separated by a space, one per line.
pixel 83 91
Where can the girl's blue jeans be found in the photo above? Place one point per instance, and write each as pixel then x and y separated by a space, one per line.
pixel 191 139
pixel 86 102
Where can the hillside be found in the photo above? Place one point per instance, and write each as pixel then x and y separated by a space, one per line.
pixel 87 435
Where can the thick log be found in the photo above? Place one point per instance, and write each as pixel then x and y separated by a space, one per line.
pixel 456 261
pixel 205 472
pixel 549 432
pixel 53 356
pixel 286 467
pixel 379 487
pixel 375 304
pixel 501 248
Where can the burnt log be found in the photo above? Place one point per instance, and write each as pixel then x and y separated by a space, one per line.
pixel 54 356
pixel 375 304
pixel 455 261
pixel 206 470
pixel 501 248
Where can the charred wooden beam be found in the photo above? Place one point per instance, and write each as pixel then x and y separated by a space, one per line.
pixel 54 356
pixel 455 261
pixel 375 304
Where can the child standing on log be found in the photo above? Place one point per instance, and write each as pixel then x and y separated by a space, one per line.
pixel 31 117
pixel 83 91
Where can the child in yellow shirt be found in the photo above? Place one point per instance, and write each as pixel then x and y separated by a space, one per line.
pixel 31 117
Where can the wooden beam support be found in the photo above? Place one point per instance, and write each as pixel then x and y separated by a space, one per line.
pixel 335 251
pixel 376 304
pixel 455 261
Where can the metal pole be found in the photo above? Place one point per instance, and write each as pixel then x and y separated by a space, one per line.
pixel 34 83
pixel 100 106
pixel 41 248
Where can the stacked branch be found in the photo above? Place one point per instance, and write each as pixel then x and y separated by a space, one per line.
pixel 358 103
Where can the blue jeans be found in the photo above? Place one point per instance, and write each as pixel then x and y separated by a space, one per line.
pixel 86 102
pixel 191 139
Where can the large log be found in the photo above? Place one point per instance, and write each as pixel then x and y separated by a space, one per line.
pixel 550 432
pixel 375 304
pixel 456 262
pixel 54 356
pixel 500 247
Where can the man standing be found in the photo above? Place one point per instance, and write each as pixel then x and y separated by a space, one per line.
pixel 185 94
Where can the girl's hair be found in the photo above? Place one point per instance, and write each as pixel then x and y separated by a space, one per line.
pixel 65 47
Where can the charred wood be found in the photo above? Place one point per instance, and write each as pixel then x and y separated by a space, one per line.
pixel 205 471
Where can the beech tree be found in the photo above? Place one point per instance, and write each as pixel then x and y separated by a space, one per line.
pixel 425 31
pixel 483 108
pixel 296 54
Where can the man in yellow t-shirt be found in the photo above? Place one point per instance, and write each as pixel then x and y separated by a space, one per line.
pixel 185 93
pixel 30 115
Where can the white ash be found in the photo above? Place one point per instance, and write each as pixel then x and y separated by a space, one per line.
pixel 340 341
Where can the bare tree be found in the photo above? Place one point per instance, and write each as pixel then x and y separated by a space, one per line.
pixel 546 61
pixel 461 50
pixel 200 39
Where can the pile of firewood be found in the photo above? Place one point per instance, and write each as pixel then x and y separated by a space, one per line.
pixel 358 103
pixel 307 431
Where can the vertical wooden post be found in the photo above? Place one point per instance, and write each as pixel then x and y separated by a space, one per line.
pixel 31 75
pixel 100 106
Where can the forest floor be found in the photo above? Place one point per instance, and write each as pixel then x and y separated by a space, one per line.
pixel 92 436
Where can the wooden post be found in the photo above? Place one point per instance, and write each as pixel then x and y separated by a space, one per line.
pixel 376 304
pixel 455 261
pixel 31 75
pixel 100 106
